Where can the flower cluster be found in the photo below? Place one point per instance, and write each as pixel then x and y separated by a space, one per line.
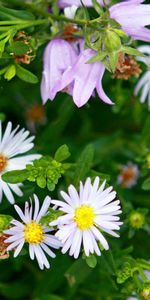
pixel 87 215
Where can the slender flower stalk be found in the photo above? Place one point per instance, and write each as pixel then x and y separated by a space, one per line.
pixel 32 232
pixel 87 216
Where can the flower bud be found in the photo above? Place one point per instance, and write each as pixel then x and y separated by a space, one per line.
pixel 136 219
pixel 112 41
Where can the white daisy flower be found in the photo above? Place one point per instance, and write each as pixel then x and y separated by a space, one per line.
pixel 33 233
pixel 88 214
pixel 144 82
pixel 12 145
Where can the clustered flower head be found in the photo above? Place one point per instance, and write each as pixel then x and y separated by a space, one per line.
pixel 87 216
pixel 13 146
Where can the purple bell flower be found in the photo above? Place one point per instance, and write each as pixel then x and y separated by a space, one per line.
pixel 133 17
pixel 84 78
pixel 58 56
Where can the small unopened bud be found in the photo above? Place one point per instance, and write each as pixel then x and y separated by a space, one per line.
pixel 112 41
pixel 136 219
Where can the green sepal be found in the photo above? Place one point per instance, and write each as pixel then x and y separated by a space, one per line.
pixel 97 57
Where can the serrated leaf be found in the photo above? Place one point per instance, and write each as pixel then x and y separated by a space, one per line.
pixel 62 153
pixel 15 176
pixel 26 75
pixel 146 184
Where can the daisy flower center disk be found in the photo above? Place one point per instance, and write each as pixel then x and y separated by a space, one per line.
pixel 33 233
pixel 84 217
pixel 3 163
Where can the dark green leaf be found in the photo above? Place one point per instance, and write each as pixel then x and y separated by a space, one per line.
pixel 91 261
pixel 26 75
pixel 18 48
pixel 84 163
pixel 15 176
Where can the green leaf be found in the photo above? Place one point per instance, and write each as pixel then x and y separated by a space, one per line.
pixel 10 72
pixel 4 222
pixel 146 184
pixel 15 176
pixel 97 7
pixel 131 51
pixel 2 117
pixel 113 60
pixel 12 14
pixel 97 57
pixel 26 75
pixel 50 216
pixel 77 273
pixel 62 153
pixel 84 163
pixel 91 261
pixel 18 48
pixel 41 182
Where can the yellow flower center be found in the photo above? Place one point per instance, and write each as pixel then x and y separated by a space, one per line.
pixel 84 217
pixel 3 163
pixel 33 233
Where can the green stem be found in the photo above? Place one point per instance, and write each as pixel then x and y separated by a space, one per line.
pixel 12 22
pixel 24 24
pixel 144 265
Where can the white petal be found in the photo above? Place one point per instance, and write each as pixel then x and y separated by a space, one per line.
pixel 18 249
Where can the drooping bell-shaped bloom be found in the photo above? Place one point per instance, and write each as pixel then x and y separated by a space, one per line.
pixel 143 84
pixel 133 17
pixel 84 78
pixel 58 56
pixel 65 3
